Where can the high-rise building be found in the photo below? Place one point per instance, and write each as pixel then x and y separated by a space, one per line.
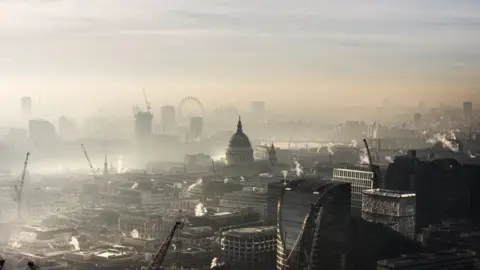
pixel 41 132
pixel 468 111
pixel 66 127
pixel 360 178
pixel 395 209
pixel 274 191
pixel 143 124
pixel 313 225
pixel 258 107
pixel 196 127
pixel 26 103
pixel 417 121
pixel 250 248
pixel 167 119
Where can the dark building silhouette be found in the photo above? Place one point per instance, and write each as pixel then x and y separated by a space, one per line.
pixel 370 242
pixel 274 192
pixel 313 225
pixel 452 260
pixel 417 121
pixel 444 188
pixel 468 111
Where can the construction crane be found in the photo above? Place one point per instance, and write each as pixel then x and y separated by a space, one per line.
pixel 19 187
pixel 157 261
pixel 377 176
pixel 146 100
pixel 88 159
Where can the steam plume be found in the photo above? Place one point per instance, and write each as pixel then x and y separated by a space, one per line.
pixel 200 210
pixel 120 164
pixel 199 181
pixel 74 242
pixel 225 180
pixel 389 159
pixel 443 140
pixel 134 186
pixel 134 234
pixel 298 168
pixel 214 263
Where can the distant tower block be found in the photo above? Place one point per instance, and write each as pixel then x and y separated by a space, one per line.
pixel 196 127
pixel 168 119
pixel 143 124
pixel 26 103
pixel 417 121
pixel 468 111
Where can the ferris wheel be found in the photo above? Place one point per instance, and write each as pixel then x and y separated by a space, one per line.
pixel 190 107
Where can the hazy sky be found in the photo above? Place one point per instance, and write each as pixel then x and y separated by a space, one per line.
pixel 72 53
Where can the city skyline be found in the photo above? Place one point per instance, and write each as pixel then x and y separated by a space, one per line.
pixel 310 52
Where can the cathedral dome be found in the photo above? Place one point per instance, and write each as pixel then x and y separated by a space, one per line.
pixel 239 139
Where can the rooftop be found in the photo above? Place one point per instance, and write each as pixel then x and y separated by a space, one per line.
pixel 389 193
pixel 252 231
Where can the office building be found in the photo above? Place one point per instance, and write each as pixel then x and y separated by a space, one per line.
pixel 196 128
pixel 274 191
pixel 167 119
pixel 143 125
pixel 451 260
pixel 360 178
pixel 395 209
pixel 66 128
pixel 26 103
pixel 250 248
pixel 41 132
pixel 468 111
pixel 417 121
pixel 313 225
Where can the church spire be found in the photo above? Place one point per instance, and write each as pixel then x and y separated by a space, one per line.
pixel 239 125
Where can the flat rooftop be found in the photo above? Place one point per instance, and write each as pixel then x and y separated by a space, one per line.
pixel 252 231
pixel 389 193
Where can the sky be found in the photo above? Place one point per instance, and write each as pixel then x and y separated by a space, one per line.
pixel 78 55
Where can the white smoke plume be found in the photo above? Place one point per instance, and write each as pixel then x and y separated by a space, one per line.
pixel 298 168
pixel 242 179
pixel 74 242
pixel 134 234
pixel 285 174
pixel 329 148
pixel 225 180
pixel 471 155
pixel 199 181
pixel 200 210
pixel 134 186
pixel 120 164
pixel 353 143
pixel 214 263
pixel 443 140
pixel 389 159
pixel 364 158
pixel 16 245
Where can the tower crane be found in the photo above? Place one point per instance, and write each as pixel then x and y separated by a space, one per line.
pixel 146 100
pixel 88 159
pixel 377 175
pixel 157 261
pixel 19 187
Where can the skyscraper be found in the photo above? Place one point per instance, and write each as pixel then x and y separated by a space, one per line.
pixel 26 103
pixel 313 225
pixel 468 111
pixel 167 118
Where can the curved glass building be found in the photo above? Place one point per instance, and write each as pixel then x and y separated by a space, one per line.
pixel 313 225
